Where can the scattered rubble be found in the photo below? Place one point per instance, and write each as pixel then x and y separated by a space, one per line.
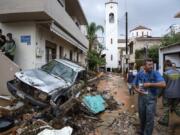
pixel 81 112
pixel 124 124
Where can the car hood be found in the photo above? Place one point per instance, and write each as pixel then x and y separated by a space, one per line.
pixel 42 80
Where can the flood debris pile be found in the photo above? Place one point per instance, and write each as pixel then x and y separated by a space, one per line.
pixel 124 124
pixel 78 115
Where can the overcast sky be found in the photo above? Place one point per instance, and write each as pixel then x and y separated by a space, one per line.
pixel 155 14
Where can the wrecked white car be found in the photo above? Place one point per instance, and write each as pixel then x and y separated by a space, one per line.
pixel 49 84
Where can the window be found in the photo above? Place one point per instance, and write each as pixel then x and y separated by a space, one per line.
pixel 111 41
pixel 111 18
pixel 147 33
pixel 50 51
pixel 137 34
pixel 111 57
pixel 143 34
pixel 60 70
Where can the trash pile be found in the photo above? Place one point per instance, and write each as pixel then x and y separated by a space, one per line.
pixel 77 116
pixel 124 124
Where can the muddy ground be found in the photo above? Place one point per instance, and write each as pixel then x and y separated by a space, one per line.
pixel 118 88
pixel 120 118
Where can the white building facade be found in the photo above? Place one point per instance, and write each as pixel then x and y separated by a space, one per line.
pixel 111 36
pixel 140 37
pixel 44 30
pixel 140 31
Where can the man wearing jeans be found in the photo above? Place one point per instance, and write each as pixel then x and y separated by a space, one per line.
pixel 146 83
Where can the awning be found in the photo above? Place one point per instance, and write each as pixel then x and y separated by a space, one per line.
pixel 58 31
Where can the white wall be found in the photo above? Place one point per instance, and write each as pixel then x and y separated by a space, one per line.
pixel 42 35
pixel 25 54
pixel 111 33
pixel 175 58
pixel 140 31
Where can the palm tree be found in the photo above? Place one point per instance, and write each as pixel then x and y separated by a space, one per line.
pixel 91 33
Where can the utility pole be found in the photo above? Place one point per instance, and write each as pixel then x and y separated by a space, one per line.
pixel 126 15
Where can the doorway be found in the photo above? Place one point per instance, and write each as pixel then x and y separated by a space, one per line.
pixel 50 51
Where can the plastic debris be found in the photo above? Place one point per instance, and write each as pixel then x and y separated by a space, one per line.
pixel 95 104
pixel 64 131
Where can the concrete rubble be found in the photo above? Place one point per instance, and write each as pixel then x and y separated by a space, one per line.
pixel 74 117
pixel 32 120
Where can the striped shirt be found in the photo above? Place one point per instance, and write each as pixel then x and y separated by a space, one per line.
pixel 172 78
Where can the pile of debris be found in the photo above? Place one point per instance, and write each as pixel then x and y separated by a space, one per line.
pixel 124 124
pixel 81 113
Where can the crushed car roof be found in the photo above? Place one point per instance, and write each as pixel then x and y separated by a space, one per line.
pixel 74 66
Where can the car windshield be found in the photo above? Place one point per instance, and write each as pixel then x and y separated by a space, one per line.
pixel 60 70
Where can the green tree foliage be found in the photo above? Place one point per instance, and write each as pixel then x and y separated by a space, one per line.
pixel 153 52
pixel 95 60
pixel 170 39
pixel 92 29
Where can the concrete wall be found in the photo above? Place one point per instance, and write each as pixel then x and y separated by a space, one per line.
pixel 14 6
pixel 25 53
pixel 7 71
pixel 57 12
pixel 43 35
pixel 13 10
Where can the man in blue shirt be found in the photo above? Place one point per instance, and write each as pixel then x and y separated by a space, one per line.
pixel 147 83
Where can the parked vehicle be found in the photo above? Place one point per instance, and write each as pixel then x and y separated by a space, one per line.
pixel 50 83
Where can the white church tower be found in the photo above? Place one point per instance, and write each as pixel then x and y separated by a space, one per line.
pixel 111 35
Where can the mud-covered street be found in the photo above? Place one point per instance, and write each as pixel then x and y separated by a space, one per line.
pixel 120 116
pixel 116 85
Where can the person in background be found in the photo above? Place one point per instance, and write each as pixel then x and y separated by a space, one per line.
pixel 130 78
pixel 2 39
pixel 9 47
pixel 146 83
pixel 171 94
pixel 174 66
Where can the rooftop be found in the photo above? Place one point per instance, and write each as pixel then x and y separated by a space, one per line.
pixel 171 46
pixel 148 38
pixel 121 41
pixel 140 27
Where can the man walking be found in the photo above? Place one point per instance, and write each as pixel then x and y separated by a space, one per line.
pixel 171 94
pixel 9 47
pixel 146 83
pixel 130 78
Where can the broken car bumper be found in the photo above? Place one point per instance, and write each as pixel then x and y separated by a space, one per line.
pixel 20 94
